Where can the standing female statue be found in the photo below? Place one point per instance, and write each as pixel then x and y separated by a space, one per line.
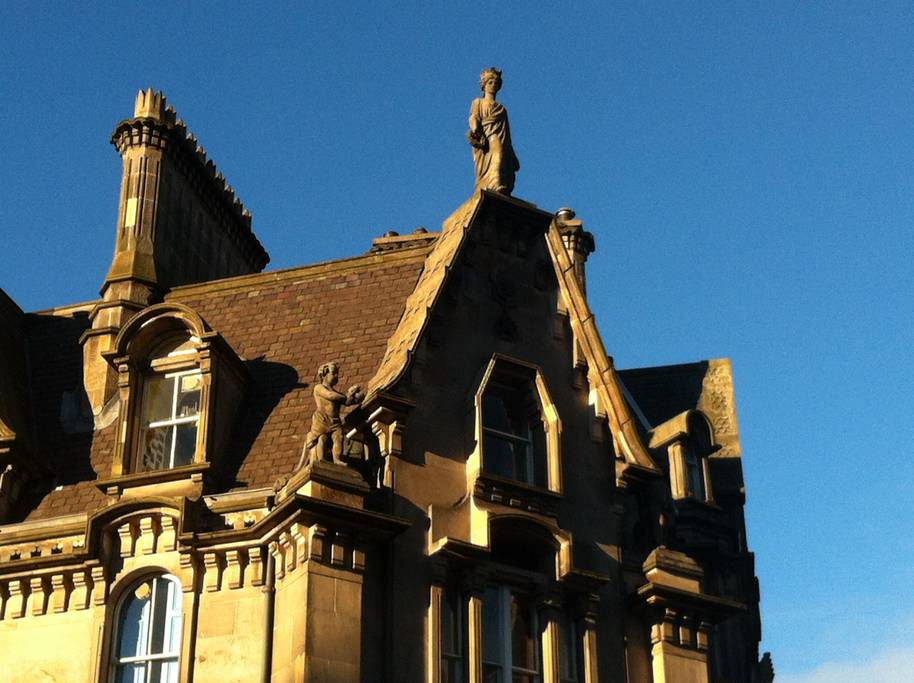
pixel 490 137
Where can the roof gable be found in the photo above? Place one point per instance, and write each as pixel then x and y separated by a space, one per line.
pixel 419 306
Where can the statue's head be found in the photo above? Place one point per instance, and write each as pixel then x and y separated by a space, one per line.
pixel 328 373
pixel 490 74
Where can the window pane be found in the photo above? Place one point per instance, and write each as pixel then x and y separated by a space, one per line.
pixel 696 481
pixel 491 673
pixel 186 444
pixel 188 395
pixel 498 455
pixel 450 626
pixel 568 654
pixel 133 625
pixel 540 476
pixel 523 678
pixel 159 396
pixel 173 620
pixel 131 673
pixel 169 672
pixel 155 448
pixel 159 616
pixel 523 634
pixel 495 412
pixel 451 671
pixel 491 627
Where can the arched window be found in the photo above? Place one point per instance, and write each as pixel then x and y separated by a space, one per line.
pixel 171 368
pixel 147 637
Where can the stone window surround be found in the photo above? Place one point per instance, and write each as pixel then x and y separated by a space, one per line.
pixel 551 423
pixel 678 437
pixel 131 358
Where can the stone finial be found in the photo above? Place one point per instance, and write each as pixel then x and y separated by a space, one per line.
pixel 325 440
pixel 579 243
pixel 150 104
pixel 490 137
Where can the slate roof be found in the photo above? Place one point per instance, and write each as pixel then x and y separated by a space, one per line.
pixel 283 324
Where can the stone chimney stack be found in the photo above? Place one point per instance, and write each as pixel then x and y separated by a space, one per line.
pixel 178 222
pixel 578 242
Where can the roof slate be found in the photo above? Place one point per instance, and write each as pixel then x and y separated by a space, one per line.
pixel 282 324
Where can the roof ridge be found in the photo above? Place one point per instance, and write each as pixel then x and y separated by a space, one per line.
pixel 349 263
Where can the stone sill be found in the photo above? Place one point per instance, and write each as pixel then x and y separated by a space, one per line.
pixel 516 494
pixel 116 485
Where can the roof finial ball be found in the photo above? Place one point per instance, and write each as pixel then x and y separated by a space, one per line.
pixel 490 137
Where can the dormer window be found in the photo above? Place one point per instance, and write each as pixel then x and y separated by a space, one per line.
pixel 518 430
pixel 179 384
pixel 689 443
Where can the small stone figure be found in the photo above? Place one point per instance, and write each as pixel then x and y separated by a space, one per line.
pixel 326 425
pixel 490 136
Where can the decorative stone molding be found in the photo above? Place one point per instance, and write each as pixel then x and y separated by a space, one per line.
pixel 146 534
pixel 682 629
pixel 51 592
pixel 512 494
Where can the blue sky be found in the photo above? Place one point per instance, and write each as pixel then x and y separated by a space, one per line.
pixel 746 169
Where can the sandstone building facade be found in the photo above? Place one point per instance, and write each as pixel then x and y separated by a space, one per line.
pixel 185 496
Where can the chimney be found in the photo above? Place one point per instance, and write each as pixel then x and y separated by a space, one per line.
pixel 578 242
pixel 178 222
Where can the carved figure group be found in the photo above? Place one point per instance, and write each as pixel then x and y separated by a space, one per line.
pixel 325 440
pixel 490 136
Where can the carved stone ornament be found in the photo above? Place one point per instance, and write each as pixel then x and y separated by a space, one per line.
pixel 490 136
pixel 325 441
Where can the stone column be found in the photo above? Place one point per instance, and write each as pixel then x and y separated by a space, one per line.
pixel 589 638
pixel 678 654
pixel 548 610
pixel 433 634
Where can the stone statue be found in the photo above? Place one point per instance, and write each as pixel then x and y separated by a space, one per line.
pixel 326 435
pixel 490 136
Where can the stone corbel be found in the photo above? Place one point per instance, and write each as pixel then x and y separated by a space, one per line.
pixel 387 421
pixel 681 614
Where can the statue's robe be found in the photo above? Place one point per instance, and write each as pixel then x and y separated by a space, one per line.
pixel 496 162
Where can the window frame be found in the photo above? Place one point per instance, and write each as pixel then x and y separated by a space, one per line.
pixel 117 663
pixel 569 629
pixel 453 601
pixel 505 595
pixel 167 370
pixel 495 373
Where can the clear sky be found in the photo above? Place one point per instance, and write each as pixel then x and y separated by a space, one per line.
pixel 746 169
